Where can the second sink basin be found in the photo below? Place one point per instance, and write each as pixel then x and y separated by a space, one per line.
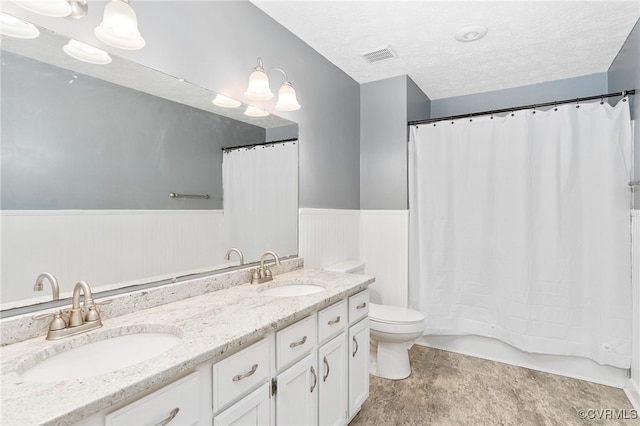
pixel 101 357
pixel 290 288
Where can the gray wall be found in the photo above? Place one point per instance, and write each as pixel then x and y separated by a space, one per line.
pixel 624 74
pixel 215 45
pixel 593 84
pixel 96 145
pixel 385 108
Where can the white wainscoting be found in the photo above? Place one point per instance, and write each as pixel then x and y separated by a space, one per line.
pixel 384 247
pixel 328 236
pixel 104 247
pixel 633 386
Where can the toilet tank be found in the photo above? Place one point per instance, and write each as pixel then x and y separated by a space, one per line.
pixel 348 267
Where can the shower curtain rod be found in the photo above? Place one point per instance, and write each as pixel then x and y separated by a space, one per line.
pixel 518 108
pixel 252 145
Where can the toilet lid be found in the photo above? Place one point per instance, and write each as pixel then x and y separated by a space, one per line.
pixel 394 314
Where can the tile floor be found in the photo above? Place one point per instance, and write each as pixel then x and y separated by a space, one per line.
pixel 446 388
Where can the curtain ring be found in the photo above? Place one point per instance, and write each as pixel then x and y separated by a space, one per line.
pixel 513 113
pixel 602 100
pixel 492 115
pixel 555 105
pixel 534 109
pixel 577 102
pixel 624 96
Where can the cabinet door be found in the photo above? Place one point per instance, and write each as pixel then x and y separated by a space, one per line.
pixel 297 394
pixel 332 367
pixel 358 365
pixel 252 410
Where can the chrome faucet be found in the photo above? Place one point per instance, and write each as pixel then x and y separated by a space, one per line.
pixel 80 319
pixel 263 273
pixel 55 289
pixel 228 255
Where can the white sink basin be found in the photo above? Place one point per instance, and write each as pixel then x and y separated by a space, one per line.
pixel 293 290
pixel 101 357
pixel 290 288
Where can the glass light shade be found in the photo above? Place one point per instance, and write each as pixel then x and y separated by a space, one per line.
pixel 287 98
pixel 86 53
pixel 258 89
pixel 224 102
pixel 255 112
pixel 53 8
pixel 14 27
pixel 119 27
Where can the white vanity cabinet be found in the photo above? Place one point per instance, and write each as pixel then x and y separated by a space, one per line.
pixel 358 351
pixel 312 372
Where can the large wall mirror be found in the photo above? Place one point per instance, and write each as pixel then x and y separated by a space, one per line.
pixel 90 155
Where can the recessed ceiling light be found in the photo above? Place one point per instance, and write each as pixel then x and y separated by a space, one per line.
pixel 86 53
pixel 471 33
pixel 255 112
pixel 225 102
pixel 14 27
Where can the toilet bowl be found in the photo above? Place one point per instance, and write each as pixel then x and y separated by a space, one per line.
pixel 392 331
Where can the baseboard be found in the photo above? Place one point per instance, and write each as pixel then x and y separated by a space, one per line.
pixel 633 393
pixel 495 350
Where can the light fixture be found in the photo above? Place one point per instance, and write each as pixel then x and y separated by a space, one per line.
pixel 119 27
pixel 224 102
pixel 471 33
pixel 255 112
pixel 259 90
pixel 86 53
pixel 53 8
pixel 14 27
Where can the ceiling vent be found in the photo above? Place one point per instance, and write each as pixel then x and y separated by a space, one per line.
pixel 380 54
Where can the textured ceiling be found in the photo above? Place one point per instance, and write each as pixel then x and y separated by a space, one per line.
pixel 528 42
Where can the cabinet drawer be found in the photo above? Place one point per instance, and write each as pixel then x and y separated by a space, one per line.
pixel 177 401
pixel 358 306
pixel 332 320
pixel 240 373
pixel 295 341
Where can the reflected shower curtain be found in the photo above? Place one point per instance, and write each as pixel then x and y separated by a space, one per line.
pixel 261 199
pixel 520 229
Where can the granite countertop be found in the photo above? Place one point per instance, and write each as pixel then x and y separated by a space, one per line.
pixel 209 325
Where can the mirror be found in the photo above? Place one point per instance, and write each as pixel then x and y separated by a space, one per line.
pixel 90 155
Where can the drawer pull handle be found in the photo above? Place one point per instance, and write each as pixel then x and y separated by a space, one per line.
pixel 245 375
pixel 355 350
pixel 362 305
pixel 315 379
pixel 172 415
pixel 335 321
pixel 301 342
pixel 326 364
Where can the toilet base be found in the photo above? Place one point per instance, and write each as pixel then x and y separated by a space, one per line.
pixel 390 361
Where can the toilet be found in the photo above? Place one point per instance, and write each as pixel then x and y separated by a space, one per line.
pixel 392 330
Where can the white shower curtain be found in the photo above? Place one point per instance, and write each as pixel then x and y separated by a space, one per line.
pixel 261 199
pixel 520 229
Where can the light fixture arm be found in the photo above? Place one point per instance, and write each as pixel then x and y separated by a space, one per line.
pixel 286 80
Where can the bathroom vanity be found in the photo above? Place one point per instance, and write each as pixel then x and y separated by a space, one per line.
pixel 244 355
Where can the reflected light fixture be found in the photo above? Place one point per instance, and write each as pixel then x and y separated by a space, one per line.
pixel 14 27
pixel 225 102
pixel 119 26
pixel 53 8
pixel 252 111
pixel 86 53
pixel 259 90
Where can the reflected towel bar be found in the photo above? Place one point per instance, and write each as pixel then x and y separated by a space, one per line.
pixel 175 195
pixel 634 183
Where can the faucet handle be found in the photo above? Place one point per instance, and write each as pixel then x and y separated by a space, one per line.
pixel 92 314
pixel 57 323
